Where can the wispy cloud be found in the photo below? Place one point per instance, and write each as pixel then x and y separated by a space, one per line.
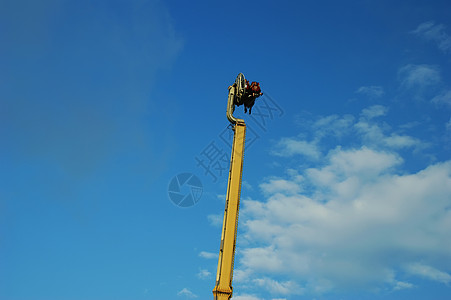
pixel 369 127
pixel 186 293
pixel 375 135
pixel 429 272
pixel 374 111
pixel 419 76
pixel 275 185
pixel 436 33
pixel 247 185
pixel 289 287
pixel 208 255
pixel 443 98
pixel 402 285
pixel 215 219
pixel 333 125
pixel 290 146
pixel 371 91
pixel 204 273
pixel 424 82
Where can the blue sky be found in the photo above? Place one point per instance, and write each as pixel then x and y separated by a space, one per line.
pixel 347 173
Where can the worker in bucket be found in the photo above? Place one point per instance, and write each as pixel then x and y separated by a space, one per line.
pixel 253 91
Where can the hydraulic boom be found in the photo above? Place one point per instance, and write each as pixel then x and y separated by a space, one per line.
pixel 238 94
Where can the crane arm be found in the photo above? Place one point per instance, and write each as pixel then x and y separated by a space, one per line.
pixel 223 288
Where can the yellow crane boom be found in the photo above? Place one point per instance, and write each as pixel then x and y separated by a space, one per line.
pixel 223 288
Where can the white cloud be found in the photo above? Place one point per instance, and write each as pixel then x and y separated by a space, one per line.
pixel 419 76
pixel 241 276
pixel 208 255
pixel 363 162
pixel 247 185
pixel 443 98
pixel 281 288
pixel 410 125
pixel 221 197
pixel 332 125
pixel 275 185
pixel 371 91
pixel 374 111
pixel 400 141
pixel 262 258
pixel 401 285
pixel 429 272
pixel 374 134
pixel 290 147
pixel 356 229
pixel 356 220
pixel 203 274
pixel 215 219
pixel 186 293
pixel 436 33
pixel 369 127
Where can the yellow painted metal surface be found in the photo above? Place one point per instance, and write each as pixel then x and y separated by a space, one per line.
pixel 223 288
